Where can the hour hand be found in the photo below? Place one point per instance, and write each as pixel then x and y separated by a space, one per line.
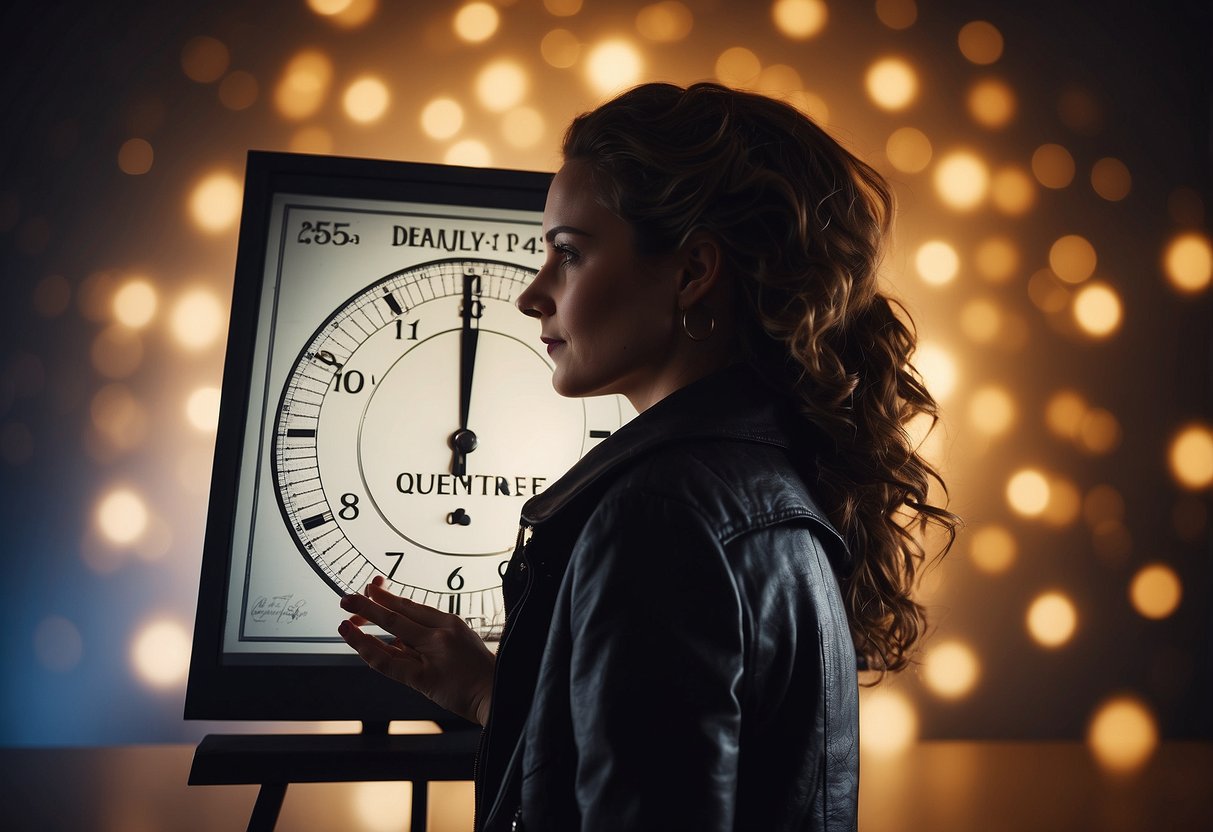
pixel 463 441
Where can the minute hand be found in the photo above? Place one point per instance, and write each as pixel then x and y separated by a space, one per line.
pixel 464 441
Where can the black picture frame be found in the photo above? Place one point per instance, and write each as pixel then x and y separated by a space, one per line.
pixel 280 687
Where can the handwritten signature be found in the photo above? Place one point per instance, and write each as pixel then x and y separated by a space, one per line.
pixel 279 609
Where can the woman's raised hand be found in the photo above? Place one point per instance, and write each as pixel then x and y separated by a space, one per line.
pixel 435 653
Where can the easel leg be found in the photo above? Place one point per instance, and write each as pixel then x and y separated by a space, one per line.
pixel 421 794
pixel 265 810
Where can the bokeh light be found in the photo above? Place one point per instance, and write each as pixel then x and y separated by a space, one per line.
pixel 962 180
pixel 471 153
pixel 501 85
pixel 1098 309
pixel 304 84
pixel 992 410
pixel 981 319
pixel 908 149
pixel 993 548
pixel 204 59
pixel 383 807
pixel 562 8
pixel 198 319
pixel 1110 178
pixel 58 644
pixel 888 724
pixel 897 14
pixel 476 22
pixel 135 303
pixel 366 100
pixel 737 66
pixel 1188 262
pixel 1122 734
pixel 1053 166
pixel 1155 591
pixel 560 48
pixel 665 22
pixel 991 103
pixel 160 653
pixel 1099 431
pixel 135 157
pixel 202 409
pixel 239 90
pixel 442 118
pixel 1052 619
pixel 122 516
pixel 800 19
pixel 523 127
pixel 329 7
pixel 1190 457
pixel 1065 503
pixel 937 262
pixel 1064 413
pixel 891 83
pixel 996 259
pixel 1072 258
pixel 980 42
pixel 1103 503
pixel 951 669
pixel 311 139
pixel 1013 191
pixel 350 14
pixel 938 369
pixel 613 65
pixel 116 351
pixel 214 203
pixel 118 416
pixel 1028 492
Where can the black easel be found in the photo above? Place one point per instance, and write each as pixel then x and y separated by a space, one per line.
pixel 276 760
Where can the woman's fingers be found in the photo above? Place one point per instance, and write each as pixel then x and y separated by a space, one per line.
pixel 396 623
pixel 422 614
pixel 395 661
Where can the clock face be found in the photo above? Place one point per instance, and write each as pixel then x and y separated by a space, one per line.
pixel 412 425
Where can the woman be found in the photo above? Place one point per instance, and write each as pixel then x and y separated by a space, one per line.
pixel 686 605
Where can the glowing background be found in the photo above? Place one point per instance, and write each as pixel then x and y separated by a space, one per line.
pixel 1052 170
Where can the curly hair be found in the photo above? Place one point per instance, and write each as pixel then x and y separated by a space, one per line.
pixel 801 223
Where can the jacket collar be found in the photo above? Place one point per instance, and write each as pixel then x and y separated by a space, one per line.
pixel 729 404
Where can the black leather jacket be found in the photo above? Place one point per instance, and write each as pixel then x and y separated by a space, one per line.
pixel 676 653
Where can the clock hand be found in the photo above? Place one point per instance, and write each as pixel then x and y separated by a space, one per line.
pixel 463 441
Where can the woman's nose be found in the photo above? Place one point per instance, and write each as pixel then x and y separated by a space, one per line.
pixel 534 301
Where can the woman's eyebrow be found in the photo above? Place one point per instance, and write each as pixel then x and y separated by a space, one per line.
pixel 564 229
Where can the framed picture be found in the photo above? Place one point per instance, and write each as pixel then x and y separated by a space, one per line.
pixel 386 411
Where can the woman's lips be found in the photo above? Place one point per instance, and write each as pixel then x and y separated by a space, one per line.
pixel 552 343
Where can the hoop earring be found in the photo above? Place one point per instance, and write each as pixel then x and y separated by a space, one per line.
pixel 691 335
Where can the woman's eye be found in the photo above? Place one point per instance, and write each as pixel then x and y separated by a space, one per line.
pixel 567 255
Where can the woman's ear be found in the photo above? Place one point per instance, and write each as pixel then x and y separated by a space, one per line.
pixel 701 264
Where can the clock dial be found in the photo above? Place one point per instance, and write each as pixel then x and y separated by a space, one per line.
pixel 413 425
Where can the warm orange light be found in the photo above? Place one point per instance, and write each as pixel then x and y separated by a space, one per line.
pixel 304 84
pixel 897 14
pixel 981 320
pixel 888 724
pixel 800 19
pixel 122 516
pixel 441 118
pixel 198 319
pixel 1155 591
pixel 501 85
pixel 239 90
pixel 214 203
pixel 1065 503
pixel 665 22
pixel 1098 309
pixel 1064 413
pixel 996 259
pixel 991 103
pixel 1053 166
pixel 523 127
pixel 938 369
pixel 980 42
pixel 1190 457
pixel 892 84
pixel 1072 258
pixel 204 59
pixel 383 807
pixel 1099 432
pixel 613 64
pixel 1188 262
pixel 160 653
pixel 560 48
pixel 562 8
pixel 1013 191
pixel 992 410
pixel 937 262
pixel 1052 619
pixel 1111 179
pixel 471 153
pixel 951 669
pixel 476 22
pixel 135 303
pixel 135 157
pixel 993 549
pixel 366 99
pixel 311 139
pixel 1028 492
pixel 202 409
pixel 1122 735
pixel 962 180
pixel 908 149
